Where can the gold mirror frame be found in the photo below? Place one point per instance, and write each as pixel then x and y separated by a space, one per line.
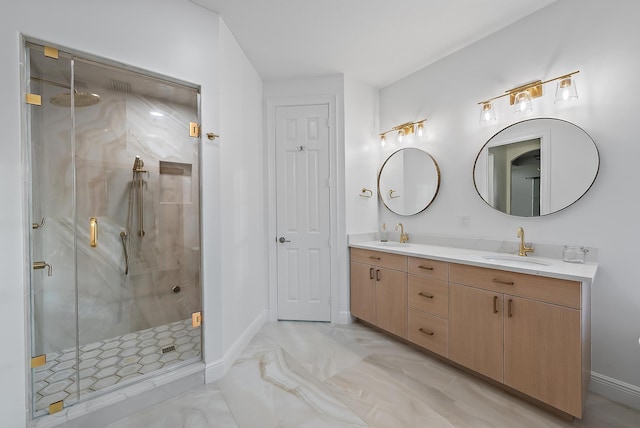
pixel 385 194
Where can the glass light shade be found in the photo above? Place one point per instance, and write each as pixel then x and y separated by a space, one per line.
pixel 383 140
pixel 400 136
pixel 522 103
pixel 487 113
pixel 566 90
pixel 420 130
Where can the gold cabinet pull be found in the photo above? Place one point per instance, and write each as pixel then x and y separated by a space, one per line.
pixel 425 267
pixel 377 274
pixel 427 332
pixel 428 296
pixel 93 232
pixel 497 281
pixel 371 273
pixel 495 304
pixel 509 303
pixel 374 258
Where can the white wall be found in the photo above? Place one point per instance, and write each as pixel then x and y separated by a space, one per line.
pixel 243 166
pixel 361 154
pixel 168 37
pixel 601 39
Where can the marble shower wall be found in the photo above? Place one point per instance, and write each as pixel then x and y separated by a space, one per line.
pixel 108 136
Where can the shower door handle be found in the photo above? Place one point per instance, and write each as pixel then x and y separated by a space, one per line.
pixel 93 232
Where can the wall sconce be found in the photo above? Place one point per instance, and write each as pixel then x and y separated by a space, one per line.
pixel 404 130
pixel 520 97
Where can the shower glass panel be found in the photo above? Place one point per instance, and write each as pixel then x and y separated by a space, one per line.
pixel 115 174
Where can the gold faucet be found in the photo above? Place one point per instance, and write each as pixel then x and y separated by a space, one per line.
pixel 523 250
pixel 404 237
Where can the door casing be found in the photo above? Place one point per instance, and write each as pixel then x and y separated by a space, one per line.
pixel 337 223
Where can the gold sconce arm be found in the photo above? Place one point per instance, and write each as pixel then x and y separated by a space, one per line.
pixel 534 88
pixel 404 129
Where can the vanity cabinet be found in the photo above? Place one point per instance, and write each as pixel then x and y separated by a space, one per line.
pixel 528 332
pixel 428 302
pixel 379 289
pixel 522 330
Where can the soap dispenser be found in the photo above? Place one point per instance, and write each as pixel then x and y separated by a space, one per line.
pixel 383 233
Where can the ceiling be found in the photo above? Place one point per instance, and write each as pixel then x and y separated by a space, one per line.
pixel 375 41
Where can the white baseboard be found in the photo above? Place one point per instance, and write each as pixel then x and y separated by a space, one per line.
pixel 615 390
pixel 217 369
pixel 344 317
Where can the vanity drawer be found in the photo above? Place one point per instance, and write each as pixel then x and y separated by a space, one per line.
pixel 429 332
pixel 429 295
pixel 379 258
pixel 430 268
pixel 550 290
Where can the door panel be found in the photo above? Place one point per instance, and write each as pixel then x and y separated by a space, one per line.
pixel 542 352
pixel 476 329
pixel 363 292
pixel 391 301
pixel 303 225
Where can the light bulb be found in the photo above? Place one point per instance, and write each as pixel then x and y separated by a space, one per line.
pixel 487 113
pixel 522 102
pixel 566 90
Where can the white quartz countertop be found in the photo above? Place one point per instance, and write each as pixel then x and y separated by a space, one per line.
pixel 543 266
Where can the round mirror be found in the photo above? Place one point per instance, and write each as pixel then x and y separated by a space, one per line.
pixel 536 167
pixel 408 181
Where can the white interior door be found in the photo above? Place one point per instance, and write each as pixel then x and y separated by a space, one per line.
pixel 303 216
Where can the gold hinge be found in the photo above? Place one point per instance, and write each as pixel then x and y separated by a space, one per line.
pixel 194 129
pixel 51 52
pixel 34 99
pixel 196 319
pixel 38 361
pixel 56 407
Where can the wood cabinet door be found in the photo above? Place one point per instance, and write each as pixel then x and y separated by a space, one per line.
pixel 363 292
pixel 542 355
pixel 475 329
pixel 391 301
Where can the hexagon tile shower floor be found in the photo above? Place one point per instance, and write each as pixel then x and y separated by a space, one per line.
pixel 115 360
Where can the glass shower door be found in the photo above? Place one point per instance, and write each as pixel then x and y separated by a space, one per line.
pixel 115 176
pixel 52 235
pixel 137 184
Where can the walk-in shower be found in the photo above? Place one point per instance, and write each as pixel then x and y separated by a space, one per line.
pixel 115 286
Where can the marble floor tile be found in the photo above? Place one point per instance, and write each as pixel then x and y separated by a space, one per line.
pixel 203 407
pixel 313 345
pixel 296 374
pixel 272 389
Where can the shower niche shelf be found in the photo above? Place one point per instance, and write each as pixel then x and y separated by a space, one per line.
pixel 175 182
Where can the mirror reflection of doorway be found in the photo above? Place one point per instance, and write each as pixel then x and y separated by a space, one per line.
pixel 525 184
pixel 516 170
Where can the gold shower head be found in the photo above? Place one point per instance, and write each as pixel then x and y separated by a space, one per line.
pixel 80 99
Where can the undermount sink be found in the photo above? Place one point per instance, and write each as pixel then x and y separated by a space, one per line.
pixel 392 244
pixel 515 260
